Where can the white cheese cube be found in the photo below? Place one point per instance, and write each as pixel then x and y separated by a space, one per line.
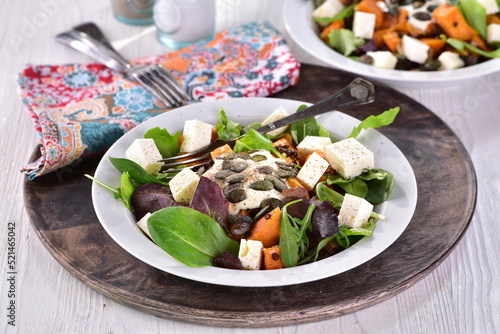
pixel 493 33
pixel 419 24
pixel 328 9
pixel 491 6
pixel 355 211
pixel 415 50
pixel 349 157
pixel 144 152
pixel 450 61
pixel 276 115
pixel 196 135
pixel 312 143
pixel 312 170
pixel 250 254
pixel 363 24
pixel 383 59
pixel 143 224
pixel 183 185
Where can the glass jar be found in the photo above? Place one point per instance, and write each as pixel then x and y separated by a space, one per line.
pixel 136 12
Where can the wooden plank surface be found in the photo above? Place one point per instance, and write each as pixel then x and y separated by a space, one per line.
pixel 63 217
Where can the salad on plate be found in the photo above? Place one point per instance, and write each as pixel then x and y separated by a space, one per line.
pixel 415 35
pixel 292 196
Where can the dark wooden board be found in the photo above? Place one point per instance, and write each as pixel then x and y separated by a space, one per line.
pixel 60 208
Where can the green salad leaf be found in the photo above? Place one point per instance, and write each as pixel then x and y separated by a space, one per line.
pixel 344 41
pixel 348 236
pixel 385 118
pixel 462 46
pixel 137 173
pixel 167 144
pixel 324 193
pixel 348 11
pixel 227 129
pixel 307 127
pixel 475 15
pixel 288 239
pixel 255 141
pixel 124 192
pixel 190 236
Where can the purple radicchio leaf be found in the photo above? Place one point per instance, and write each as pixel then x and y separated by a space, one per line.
pixel 208 199
pixel 324 220
pixel 151 197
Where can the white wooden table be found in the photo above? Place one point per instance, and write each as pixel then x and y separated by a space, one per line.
pixel 461 296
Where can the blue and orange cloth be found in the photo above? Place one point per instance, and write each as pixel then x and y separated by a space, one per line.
pixel 80 110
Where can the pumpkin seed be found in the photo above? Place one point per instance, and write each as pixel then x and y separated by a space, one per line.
pixel 238 166
pixel 278 184
pixel 227 156
pixel 223 174
pixel 262 185
pixel 270 202
pixel 226 164
pixel 259 157
pixel 265 169
pixel 243 155
pixel 231 187
pixel 235 177
pixel 236 195
pixel 285 174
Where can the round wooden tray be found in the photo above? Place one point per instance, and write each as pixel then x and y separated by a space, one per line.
pixel 60 209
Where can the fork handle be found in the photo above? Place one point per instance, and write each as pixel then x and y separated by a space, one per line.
pixel 95 49
pixel 358 92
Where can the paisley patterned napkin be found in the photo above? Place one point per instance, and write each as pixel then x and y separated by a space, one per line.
pixel 80 110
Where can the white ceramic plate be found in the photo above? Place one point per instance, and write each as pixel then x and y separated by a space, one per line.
pixel 303 30
pixel 120 223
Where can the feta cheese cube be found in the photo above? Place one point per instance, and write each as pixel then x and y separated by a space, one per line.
pixel 312 143
pixel 363 24
pixel 383 59
pixel 196 135
pixel 276 115
pixel 415 50
pixel 355 211
pixel 493 32
pixel 312 170
pixel 183 186
pixel 250 254
pixel 349 157
pixel 450 61
pixel 144 152
pixel 143 224
pixel 491 6
pixel 328 9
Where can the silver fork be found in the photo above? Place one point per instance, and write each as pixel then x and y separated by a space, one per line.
pixel 89 39
pixel 358 92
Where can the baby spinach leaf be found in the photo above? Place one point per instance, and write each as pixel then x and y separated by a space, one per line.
pixel 167 144
pixel 189 236
pixel 385 118
pixel 324 193
pixel 307 127
pixel 355 186
pixel 348 236
pixel 288 239
pixel 475 14
pixel 137 173
pixel 227 129
pixel 255 141
pixel 380 190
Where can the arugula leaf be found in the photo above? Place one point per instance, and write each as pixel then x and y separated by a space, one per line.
pixel 189 236
pixel 344 41
pixel 385 118
pixel 348 236
pixel 167 144
pixel 137 173
pixel 227 129
pixel 462 46
pixel 255 141
pixel 475 15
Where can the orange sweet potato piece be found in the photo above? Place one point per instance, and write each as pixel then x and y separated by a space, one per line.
pixel 479 42
pixel 492 18
pixel 436 44
pixel 286 147
pixel 272 258
pixel 396 22
pixel 453 23
pixel 267 229
pixel 219 150
pixel 332 26
pixel 392 41
pixel 370 6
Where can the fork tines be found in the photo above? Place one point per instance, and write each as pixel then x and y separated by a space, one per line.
pixel 162 85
